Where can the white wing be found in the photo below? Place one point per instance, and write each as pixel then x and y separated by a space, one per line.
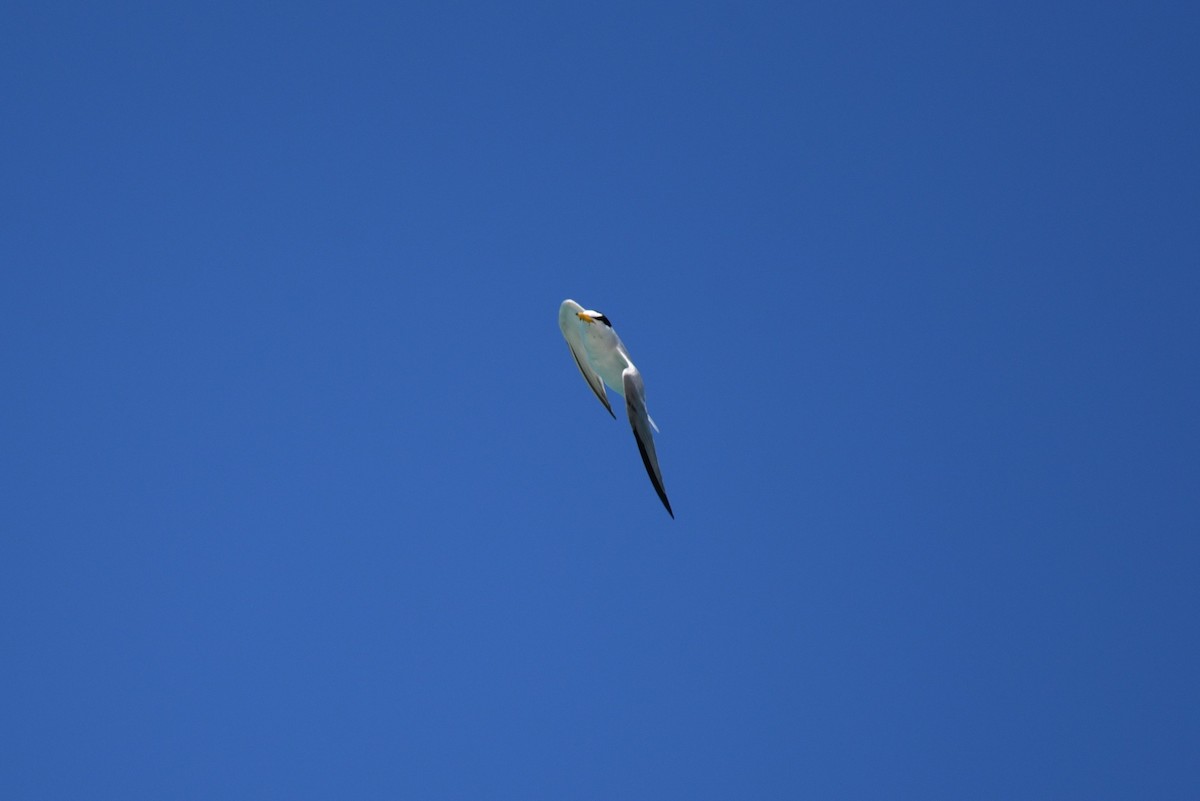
pixel 572 328
pixel 635 405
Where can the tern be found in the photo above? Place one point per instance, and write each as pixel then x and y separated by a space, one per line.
pixel 602 358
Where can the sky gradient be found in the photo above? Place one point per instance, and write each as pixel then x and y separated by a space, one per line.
pixel 303 496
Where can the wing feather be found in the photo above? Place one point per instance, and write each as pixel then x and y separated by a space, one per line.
pixel 571 325
pixel 639 419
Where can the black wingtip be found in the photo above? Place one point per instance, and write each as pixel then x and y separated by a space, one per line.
pixel 658 487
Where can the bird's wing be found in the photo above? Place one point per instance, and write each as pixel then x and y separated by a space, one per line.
pixel 635 405
pixel 572 328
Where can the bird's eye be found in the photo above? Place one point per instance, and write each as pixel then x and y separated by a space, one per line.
pixel 604 320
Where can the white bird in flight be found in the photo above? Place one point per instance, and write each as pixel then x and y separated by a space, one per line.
pixel 602 358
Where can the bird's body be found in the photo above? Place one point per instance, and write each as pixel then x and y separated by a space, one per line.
pixel 604 361
pixel 607 355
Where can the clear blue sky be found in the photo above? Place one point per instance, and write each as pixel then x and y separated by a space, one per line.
pixel 304 498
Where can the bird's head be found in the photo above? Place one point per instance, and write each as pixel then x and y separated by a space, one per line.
pixel 591 317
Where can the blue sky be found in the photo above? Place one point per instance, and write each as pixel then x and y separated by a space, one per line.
pixel 304 497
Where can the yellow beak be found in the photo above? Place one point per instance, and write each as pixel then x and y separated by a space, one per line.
pixel 585 317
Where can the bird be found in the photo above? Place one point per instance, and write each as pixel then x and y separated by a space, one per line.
pixel 602 359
